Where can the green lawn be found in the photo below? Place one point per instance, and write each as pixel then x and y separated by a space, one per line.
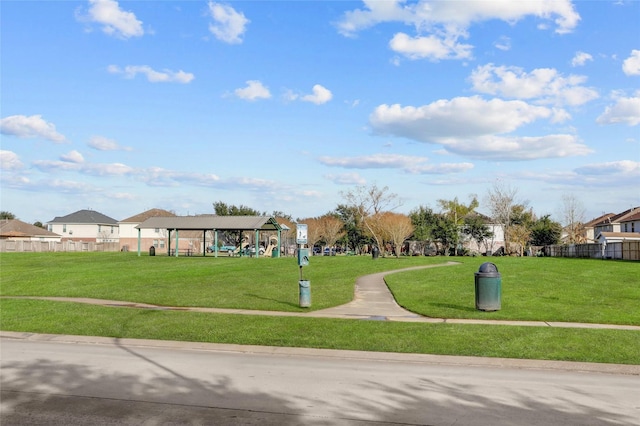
pixel 533 288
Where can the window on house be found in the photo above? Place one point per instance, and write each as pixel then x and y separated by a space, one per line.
pixel 155 243
pixel 633 227
pixel 161 243
pixel 112 229
pixel 157 230
pixel 625 228
pixel 64 228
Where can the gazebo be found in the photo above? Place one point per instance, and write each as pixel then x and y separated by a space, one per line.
pixel 211 223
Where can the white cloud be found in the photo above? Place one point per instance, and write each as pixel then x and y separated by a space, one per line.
pixel 624 167
pixel 375 161
pixel 321 95
pixel 631 65
pixel 545 85
pixel 101 143
pixel 516 148
pixel 624 111
pixel 72 157
pixel 409 164
pixel 30 127
pixel 429 47
pixel 580 59
pixel 427 13
pixel 153 76
pixel 114 20
pixel 9 161
pixel 229 25
pixel 475 127
pixel 455 118
pixel 439 24
pixel 97 169
pixel 503 43
pixel 346 179
pixel 254 90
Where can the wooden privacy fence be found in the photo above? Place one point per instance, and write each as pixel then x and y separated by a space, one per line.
pixel 51 246
pixel 626 250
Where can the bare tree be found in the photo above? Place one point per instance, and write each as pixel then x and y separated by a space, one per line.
pixel 331 229
pixel 573 219
pixel 369 202
pixel 501 199
pixel 519 235
pixel 396 228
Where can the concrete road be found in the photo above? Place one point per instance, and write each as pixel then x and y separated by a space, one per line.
pixel 49 380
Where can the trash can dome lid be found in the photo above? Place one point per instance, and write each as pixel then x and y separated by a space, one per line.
pixel 488 267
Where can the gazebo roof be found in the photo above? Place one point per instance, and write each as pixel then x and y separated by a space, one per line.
pixel 235 223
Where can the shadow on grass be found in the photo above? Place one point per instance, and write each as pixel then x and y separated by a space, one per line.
pixel 131 385
pixel 463 308
pixel 279 302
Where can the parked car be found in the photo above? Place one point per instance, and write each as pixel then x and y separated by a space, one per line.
pixel 329 251
pixel 223 249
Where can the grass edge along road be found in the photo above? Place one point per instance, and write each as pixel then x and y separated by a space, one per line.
pixel 84 274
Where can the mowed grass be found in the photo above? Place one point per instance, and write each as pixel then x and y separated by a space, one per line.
pixel 223 282
pixel 533 288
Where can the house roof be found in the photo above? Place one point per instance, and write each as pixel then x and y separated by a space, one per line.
pixel 85 217
pixel 141 217
pixel 598 220
pixel 618 236
pixel 17 228
pixel 235 223
pixel 632 216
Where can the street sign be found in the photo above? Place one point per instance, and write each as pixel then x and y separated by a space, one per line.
pixel 301 233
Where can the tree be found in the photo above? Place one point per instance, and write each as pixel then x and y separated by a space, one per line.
pixel 457 211
pixel 281 215
pixel 368 202
pixel 424 221
pixel 7 215
pixel 519 235
pixel 354 230
pixel 222 209
pixel 573 219
pixel 331 229
pixel 446 233
pixel 476 228
pixel 545 232
pixel 396 228
pixel 501 199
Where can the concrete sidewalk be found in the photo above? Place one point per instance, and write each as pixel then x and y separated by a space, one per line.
pixel 372 301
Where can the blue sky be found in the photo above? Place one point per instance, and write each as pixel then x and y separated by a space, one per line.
pixel 124 106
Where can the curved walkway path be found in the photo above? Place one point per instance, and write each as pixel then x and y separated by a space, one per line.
pixel 372 301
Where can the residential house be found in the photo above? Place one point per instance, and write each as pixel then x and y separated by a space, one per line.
pixel 615 222
pixel 491 244
pixel 17 230
pixel 631 222
pixel 148 237
pixel 589 227
pixel 85 226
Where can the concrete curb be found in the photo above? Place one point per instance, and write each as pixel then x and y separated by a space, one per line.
pixel 525 364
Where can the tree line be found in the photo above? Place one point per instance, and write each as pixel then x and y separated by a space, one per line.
pixel 366 219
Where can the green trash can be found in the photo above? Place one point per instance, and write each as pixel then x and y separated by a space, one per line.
pixel 274 252
pixel 305 293
pixel 488 287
